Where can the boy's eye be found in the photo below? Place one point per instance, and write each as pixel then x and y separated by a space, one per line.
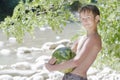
pixel 84 18
pixel 88 17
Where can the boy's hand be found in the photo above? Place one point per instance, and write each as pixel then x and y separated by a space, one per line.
pixel 50 63
pixel 48 66
pixel 52 60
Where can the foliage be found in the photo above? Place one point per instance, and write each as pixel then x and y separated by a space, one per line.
pixel 109 29
pixel 110 26
pixel 106 60
pixel 29 14
pixel 37 13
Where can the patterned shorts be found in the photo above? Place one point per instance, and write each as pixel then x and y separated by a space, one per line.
pixel 70 76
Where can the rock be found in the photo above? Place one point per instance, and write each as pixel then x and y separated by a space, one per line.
pixel 57 37
pixel 4 67
pixel 5 52
pixel 21 66
pixel 106 70
pixel 42 28
pixel 92 71
pixel 34 49
pixel 20 78
pixel 12 40
pixel 39 62
pixel 42 58
pixel 93 77
pixel 47 45
pixel 65 42
pixel 37 66
pixel 56 75
pixel 43 74
pixel 17 72
pixel 17 78
pixel 51 45
pixel 37 76
pixel 6 77
pixel 24 52
pixel 1 44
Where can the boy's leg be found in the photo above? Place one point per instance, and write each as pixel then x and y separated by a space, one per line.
pixel 70 76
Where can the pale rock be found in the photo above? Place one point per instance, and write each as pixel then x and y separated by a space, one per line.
pixel 17 78
pixel 5 52
pixel 48 79
pixel 42 28
pixel 93 77
pixel 1 67
pixel 4 67
pixel 114 76
pixel 17 72
pixel 23 78
pixel 1 44
pixel 20 78
pixel 56 75
pixel 34 75
pixel 24 52
pixel 37 66
pixel 12 40
pixel 51 45
pixel 45 73
pixel 117 77
pixel 21 66
pixel 47 45
pixel 34 49
pixel 42 58
pixel 6 77
pixel 65 42
pixel 92 71
pixel 24 49
pixel 38 78
pixel 57 37
pixel 39 62
pixel 106 70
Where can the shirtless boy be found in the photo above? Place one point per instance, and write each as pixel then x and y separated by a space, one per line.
pixel 86 49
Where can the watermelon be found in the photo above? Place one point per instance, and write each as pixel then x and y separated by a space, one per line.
pixel 63 54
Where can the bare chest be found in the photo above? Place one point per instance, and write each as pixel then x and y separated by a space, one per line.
pixel 81 42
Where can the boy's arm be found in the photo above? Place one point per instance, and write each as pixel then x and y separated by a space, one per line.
pixel 52 61
pixel 87 48
pixel 74 46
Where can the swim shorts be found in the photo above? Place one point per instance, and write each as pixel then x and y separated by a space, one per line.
pixel 70 76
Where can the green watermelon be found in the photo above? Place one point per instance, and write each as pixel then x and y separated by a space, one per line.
pixel 63 54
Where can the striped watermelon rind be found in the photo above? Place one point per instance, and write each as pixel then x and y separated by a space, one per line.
pixel 63 54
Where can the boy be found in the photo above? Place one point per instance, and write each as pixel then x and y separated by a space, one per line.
pixel 86 49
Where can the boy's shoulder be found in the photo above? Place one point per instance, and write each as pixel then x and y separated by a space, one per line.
pixel 95 40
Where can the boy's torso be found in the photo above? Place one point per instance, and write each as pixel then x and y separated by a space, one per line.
pixel 84 66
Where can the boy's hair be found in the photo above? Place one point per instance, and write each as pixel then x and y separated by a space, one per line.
pixel 89 7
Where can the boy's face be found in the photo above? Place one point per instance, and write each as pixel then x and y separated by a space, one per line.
pixel 88 20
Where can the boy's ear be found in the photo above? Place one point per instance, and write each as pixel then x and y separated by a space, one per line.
pixel 97 18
